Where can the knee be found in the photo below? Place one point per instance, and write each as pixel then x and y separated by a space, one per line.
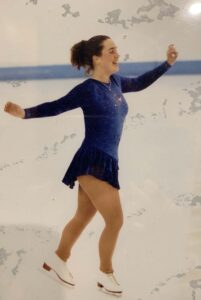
pixel 115 223
pixel 120 223
pixel 84 218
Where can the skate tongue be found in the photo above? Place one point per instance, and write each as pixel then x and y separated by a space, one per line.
pixel 113 278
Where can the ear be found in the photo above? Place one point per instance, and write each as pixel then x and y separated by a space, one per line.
pixel 96 60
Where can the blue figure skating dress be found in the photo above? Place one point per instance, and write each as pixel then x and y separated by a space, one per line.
pixel 104 108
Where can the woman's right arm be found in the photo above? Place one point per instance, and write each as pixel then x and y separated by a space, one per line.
pixel 47 109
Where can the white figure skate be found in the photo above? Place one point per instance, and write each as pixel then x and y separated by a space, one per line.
pixel 54 264
pixel 107 283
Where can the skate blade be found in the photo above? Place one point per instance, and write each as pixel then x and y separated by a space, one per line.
pixel 54 276
pixel 105 291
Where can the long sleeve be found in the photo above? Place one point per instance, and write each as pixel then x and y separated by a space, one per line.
pixel 68 102
pixel 134 84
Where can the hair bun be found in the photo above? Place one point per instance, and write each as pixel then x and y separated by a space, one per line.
pixel 83 44
pixel 78 52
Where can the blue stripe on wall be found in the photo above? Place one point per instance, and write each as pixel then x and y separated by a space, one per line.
pixel 192 67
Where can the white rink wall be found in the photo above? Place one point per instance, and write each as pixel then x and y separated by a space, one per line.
pixel 158 252
pixel 41 32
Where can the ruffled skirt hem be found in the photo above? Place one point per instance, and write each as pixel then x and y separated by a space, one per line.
pixel 92 161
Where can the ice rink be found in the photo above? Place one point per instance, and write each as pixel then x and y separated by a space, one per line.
pixel 158 256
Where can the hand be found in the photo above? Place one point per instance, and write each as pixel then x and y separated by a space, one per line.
pixel 14 109
pixel 171 54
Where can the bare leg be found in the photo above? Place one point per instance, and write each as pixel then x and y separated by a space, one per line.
pixel 71 232
pixel 106 200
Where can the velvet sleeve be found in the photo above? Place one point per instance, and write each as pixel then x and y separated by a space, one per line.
pixel 70 101
pixel 135 84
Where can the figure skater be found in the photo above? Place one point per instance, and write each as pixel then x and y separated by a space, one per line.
pixel 95 164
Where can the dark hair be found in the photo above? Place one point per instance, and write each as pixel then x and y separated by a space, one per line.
pixel 82 52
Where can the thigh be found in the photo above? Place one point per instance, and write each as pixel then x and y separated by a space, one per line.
pixel 104 197
pixel 85 207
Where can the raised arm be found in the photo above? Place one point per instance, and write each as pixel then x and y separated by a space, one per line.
pixel 134 84
pixel 68 102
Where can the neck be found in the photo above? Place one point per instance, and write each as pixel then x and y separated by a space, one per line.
pixel 101 77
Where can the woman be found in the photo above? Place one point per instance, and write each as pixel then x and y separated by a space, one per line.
pixel 95 164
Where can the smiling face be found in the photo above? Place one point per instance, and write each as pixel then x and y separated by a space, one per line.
pixel 108 61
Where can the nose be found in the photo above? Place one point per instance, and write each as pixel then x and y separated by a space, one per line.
pixel 117 55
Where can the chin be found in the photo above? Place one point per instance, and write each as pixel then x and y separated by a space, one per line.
pixel 115 69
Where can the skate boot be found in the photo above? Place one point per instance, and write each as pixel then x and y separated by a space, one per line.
pixel 55 265
pixel 107 283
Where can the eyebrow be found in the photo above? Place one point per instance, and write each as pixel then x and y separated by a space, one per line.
pixel 112 48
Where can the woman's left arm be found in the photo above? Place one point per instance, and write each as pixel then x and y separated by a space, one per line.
pixel 134 84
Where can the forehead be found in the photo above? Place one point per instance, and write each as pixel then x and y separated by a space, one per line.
pixel 109 44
